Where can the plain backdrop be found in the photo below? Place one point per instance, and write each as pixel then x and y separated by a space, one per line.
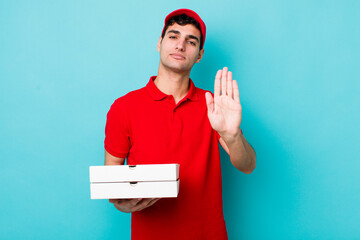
pixel 63 63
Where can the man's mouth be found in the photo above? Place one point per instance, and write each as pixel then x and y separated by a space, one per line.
pixel 178 56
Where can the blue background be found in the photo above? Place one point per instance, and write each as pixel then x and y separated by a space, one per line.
pixel 63 63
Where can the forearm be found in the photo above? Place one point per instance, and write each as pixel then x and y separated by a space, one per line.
pixel 242 155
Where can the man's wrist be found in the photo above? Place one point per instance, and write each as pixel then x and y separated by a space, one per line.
pixel 231 137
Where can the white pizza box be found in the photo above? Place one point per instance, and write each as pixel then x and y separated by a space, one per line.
pixel 116 190
pixel 131 173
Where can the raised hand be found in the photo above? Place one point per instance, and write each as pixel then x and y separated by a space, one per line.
pixel 224 109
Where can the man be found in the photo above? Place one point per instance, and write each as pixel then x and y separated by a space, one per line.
pixel 172 121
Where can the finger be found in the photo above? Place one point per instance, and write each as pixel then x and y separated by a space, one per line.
pixel 136 201
pixel 130 203
pixel 223 81
pixel 229 89
pixel 217 87
pixel 209 102
pixel 141 205
pixel 153 202
pixel 122 208
pixel 117 201
pixel 121 205
pixel 236 92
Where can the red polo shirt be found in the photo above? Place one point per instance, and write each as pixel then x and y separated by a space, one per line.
pixel 147 127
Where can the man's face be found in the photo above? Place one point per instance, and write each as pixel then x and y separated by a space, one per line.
pixel 179 49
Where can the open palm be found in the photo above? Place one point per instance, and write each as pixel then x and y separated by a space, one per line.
pixel 224 109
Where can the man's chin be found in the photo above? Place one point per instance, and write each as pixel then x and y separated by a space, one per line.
pixel 179 69
pixel 176 67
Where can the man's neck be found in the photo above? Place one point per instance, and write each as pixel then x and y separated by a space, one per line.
pixel 172 83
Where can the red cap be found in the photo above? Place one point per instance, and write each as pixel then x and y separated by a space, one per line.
pixel 189 13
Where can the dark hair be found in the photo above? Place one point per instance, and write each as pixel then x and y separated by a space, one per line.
pixel 182 20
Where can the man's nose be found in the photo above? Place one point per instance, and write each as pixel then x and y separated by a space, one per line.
pixel 181 44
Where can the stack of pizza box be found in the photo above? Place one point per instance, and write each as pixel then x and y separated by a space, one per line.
pixel 134 181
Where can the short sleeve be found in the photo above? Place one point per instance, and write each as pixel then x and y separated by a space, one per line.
pixel 117 133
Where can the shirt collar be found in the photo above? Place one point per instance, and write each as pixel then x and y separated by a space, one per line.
pixel 156 94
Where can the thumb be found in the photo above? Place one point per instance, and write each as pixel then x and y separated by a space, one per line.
pixel 209 101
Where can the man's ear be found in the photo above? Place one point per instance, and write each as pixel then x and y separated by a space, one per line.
pixel 158 44
pixel 201 53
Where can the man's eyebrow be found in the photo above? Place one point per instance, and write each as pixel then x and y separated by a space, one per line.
pixel 174 31
pixel 189 36
pixel 193 37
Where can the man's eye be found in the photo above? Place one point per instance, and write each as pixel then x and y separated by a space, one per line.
pixel 192 43
pixel 172 37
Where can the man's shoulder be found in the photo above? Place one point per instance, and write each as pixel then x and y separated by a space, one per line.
pixel 132 97
pixel 201 92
